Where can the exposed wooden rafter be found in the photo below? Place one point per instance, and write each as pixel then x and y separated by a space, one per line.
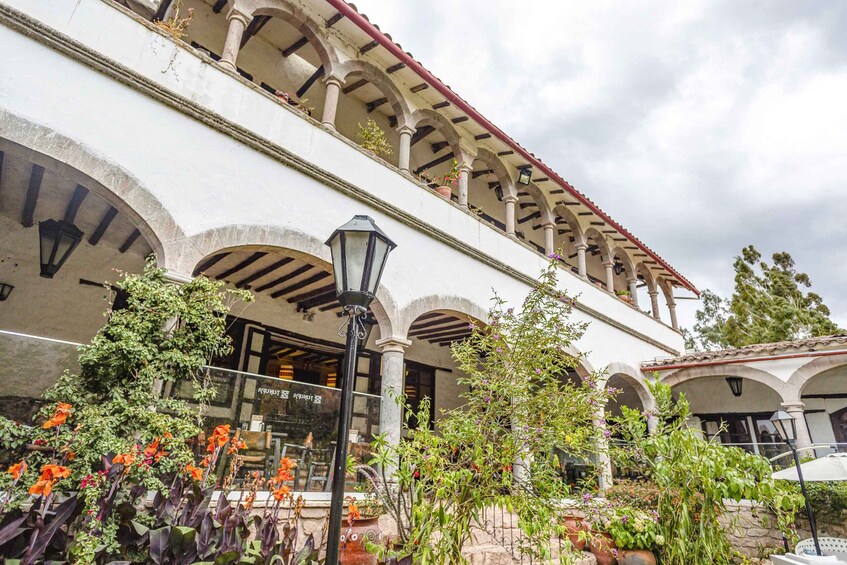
pixel 460 119
pixel 291 49
pixel 295 273
pixel 482 136
pixel 374 104
pixel 434 162
pixel 477 174
pixel 355 86
pixel 104 224
pixel 302 284
pixel 505 153
pixel 367 47
pixel 309 82
pixel 334 20
pixel 219 5
pixel 421 133
pixel 242 265
pixel 438 146
pixel 243 283
pixel 440 105
pixel 312 293
pixel 80 192
pixel 36 175
pixel 253 28
pixel 419 87
pixel 532 216
pixel 129 241
pixel 394 68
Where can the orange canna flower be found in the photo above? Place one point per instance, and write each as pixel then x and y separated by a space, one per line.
pixel 196 473
pixel 125 459
pixel 17 470
pixel 59 417
pixel 353 511
pixel 54 472
pixel 205 461
pixel 282 492
pixel 43 488
pixel 220 436
pixel 70 455
pixel 249 500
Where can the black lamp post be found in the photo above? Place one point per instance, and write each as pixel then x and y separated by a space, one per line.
pixel 58 239
pixel 735 384
pixel 359 253
pixel 787 430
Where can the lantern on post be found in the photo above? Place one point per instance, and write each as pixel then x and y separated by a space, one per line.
pixel 359 253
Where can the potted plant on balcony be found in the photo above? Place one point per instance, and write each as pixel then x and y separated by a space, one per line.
pixel 448 180
pixel 372 139
pixel 624 295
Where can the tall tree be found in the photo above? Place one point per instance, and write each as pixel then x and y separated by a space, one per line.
pixel 770 304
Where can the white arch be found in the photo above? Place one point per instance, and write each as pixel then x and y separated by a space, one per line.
pixel 787 391
pixel 802 376
pixel 116 185
pixel 634 378
pixel 421 306
pixel 294 243
pixel 493 161
pixel 361 69
pixel 427 117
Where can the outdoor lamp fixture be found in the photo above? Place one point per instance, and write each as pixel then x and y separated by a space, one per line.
pixel 525 175
pixel 5 291
pixel 368 325
pixel 618 268
pixel 58 240
pixel 359 253
pixel 498 192
pixel 735 385
pixel 786 427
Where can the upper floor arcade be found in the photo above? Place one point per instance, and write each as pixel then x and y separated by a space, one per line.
pixel 296 80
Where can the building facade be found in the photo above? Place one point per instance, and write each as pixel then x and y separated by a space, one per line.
pixel 224 141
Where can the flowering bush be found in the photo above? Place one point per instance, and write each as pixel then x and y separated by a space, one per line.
pixel 639 494
pixel 635 529
pixel 500 448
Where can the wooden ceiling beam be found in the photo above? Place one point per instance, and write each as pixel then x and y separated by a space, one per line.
pixel 309 82
pixel 421 133
pixel 334 20
pixel 302 284
pixel 438 146
pixel 219 5
pixel 368 46
pixel 319 300
pixel 284 278
pixel 446 320
pixel 254 27
pixel 36 175
pixel 80 192
pixel 460 119
pixel 242 265
pixel 419 87
pixel 505 153
pixel 394 68
pixel 355 86
pixel 129 241
pixel 434 162
pixel 532 216
pixel 294 47
pixel 374 104
pixel 312 293
pixel 482 136
pixel 440 105
pixel 245 282
pixel 477 174
pixel 101 228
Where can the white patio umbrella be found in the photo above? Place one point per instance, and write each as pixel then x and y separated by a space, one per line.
pixel 833 467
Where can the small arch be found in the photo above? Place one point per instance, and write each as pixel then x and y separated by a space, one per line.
pixel 296 17
pixel 427 117
pixel 426 304
pixel 628 265
pixel 111 181
pixel 498 168
pixel 788 392
pixel 802 376
pixel 600 241
pixel 355 69
pixel 647 276
pixel 634 378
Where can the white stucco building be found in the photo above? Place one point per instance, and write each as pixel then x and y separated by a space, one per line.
pixel 232 152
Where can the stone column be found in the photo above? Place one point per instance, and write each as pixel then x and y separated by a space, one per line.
pixel 633 290
pixel 652 423
pixel 510 202
pixel 654 303
pixel 333 91
pixel 393 377
pixel 795 409
pixel 177 279
pixel 604 480
pixel 581 248
pixel 405 147
pixel 237 24
pixel 464 177
pixel 672 310
pixel 610 276
pixel 549 248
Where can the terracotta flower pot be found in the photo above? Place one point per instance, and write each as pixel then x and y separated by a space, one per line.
pixel 574 525
pixel 445 192
pixel 603 547
pixel 353 550
pixel 636 557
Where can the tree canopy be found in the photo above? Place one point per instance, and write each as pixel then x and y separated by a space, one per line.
pixel 771 303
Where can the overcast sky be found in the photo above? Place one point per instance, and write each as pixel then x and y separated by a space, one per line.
pixel 700 126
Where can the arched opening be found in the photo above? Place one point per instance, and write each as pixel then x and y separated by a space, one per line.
pixel 598 255
pixel 281 381
pixel 568 235
pixel 742 421
pixel 43 319
pixel 434 146
pixel 630 394
pixel 430 369
pixel 488 187
pixel 824 396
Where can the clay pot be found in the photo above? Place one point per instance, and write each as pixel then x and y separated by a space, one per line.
pixel 444 191
pixel 636 557
pixel 574 525
pixel 601 546
pixel 352 551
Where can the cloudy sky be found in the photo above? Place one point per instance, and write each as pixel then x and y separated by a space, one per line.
pixel 702 126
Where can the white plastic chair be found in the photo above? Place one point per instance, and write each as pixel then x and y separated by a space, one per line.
pixel 829 546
